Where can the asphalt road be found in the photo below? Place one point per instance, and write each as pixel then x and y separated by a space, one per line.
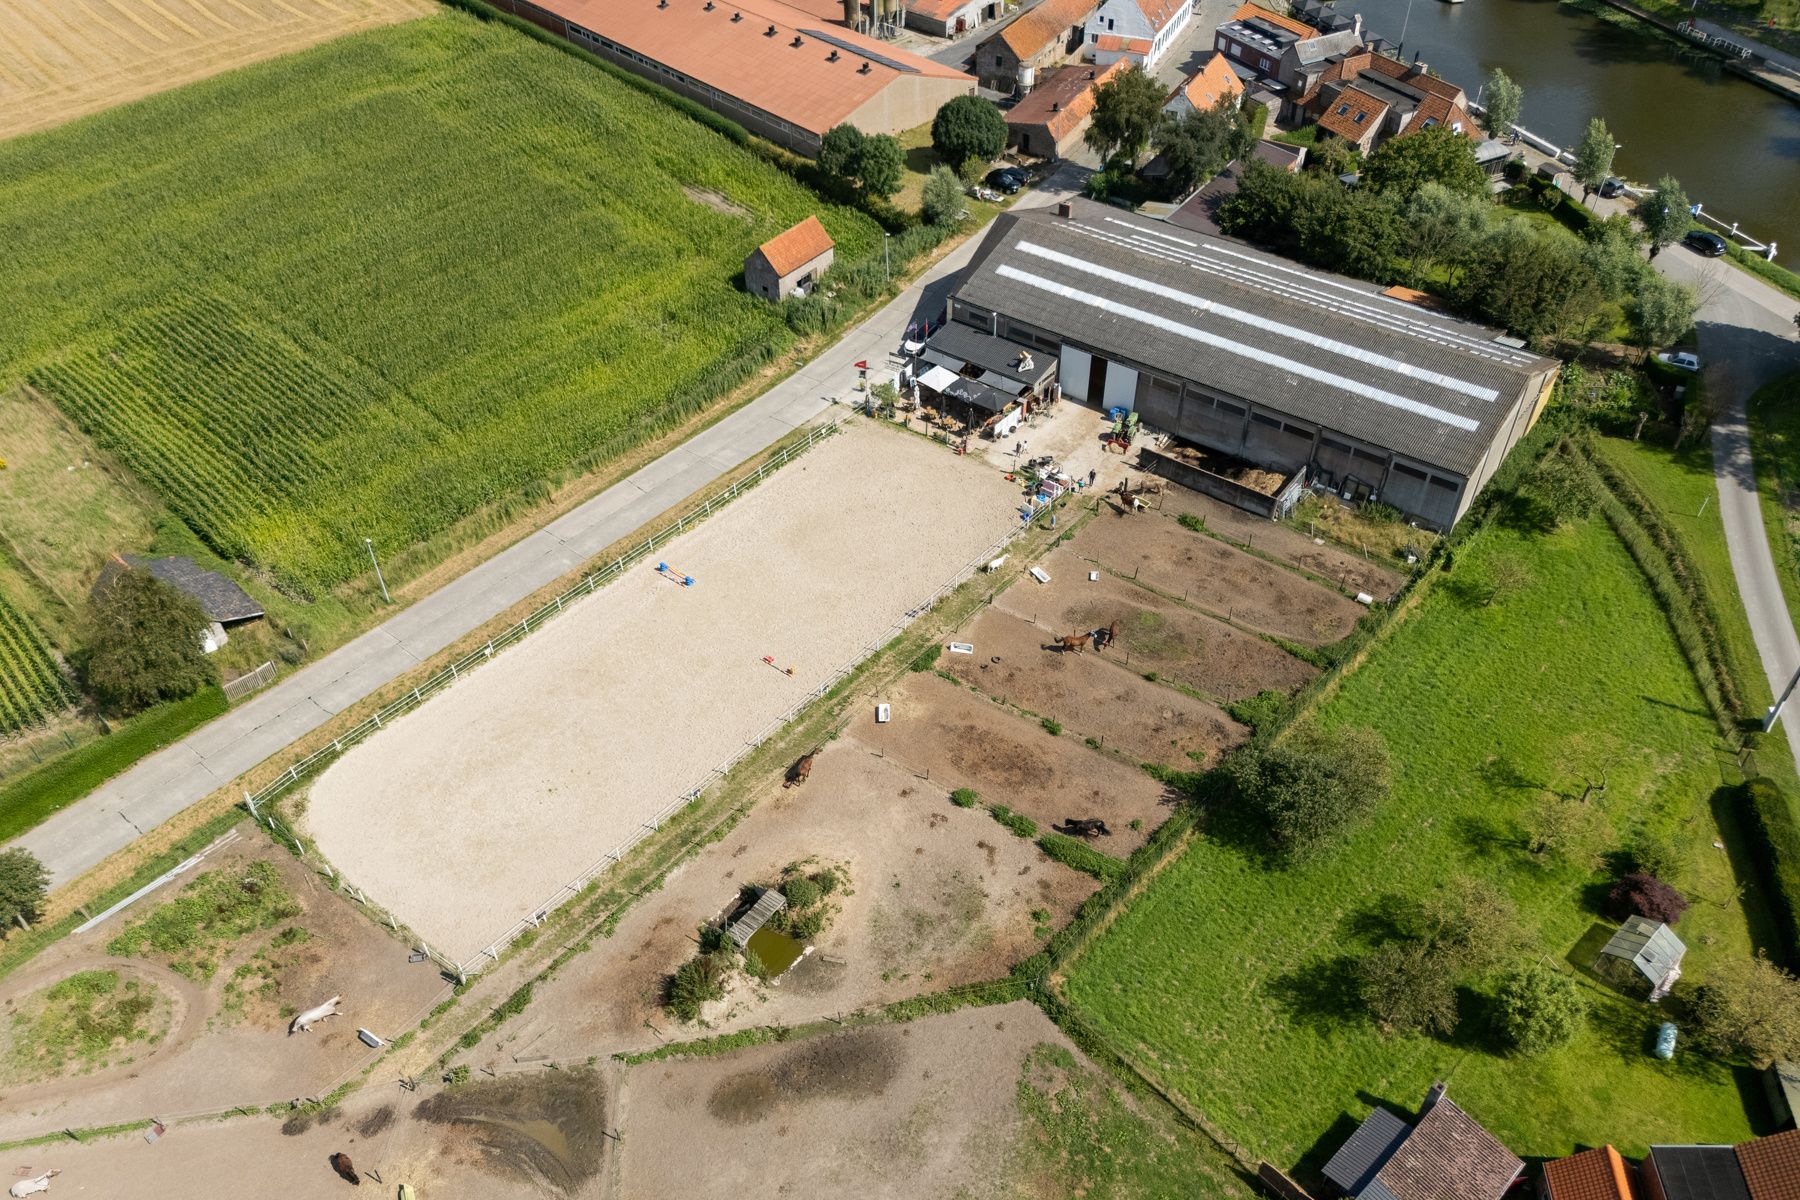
pixel 160 786
pixel 1747 338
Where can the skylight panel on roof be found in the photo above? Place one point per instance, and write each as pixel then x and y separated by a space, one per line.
pixel 1255 321
pixel 1194 334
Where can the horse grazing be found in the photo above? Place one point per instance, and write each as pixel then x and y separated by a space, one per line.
pixel 799 771
pixel 1077 642
pixel 1085 827
pixel 1106 636
pixel 340 1162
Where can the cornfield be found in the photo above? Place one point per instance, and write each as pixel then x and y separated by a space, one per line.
pixel 32 685
pixel 370 289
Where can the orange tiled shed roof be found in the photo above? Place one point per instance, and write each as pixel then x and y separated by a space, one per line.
pixel 745 49
pixel 1030 33
pixel 1591 1175
pixel 1771 1166
pixel 1112 41
pixel 792 249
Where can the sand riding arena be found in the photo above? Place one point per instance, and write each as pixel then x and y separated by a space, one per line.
pixel 469 813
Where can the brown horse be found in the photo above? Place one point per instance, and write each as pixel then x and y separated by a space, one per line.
pixel 1076 642
pixel 340 1162
pixel 1106 637
pixel 799 771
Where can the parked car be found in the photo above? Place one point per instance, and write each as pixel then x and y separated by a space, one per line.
pixel 1006 179
pixel 1702 242
pixel 1681 359
pixel 1612 187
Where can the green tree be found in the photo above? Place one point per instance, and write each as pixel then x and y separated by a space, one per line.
pixel 1558 492
pixel 1665 213
pixel 1408 987
pixel 968 127
pixel 971 171
pixel 1471 923
pixel 1562 829
pixel 943 196
pixel 1127 108
pixel 1440 228
pixel 23 885
pixel 1312 786
pixel 1352 230
pixel 1198 144
pixel 1750 1007
pixel 1662 310
pixel 881 164
pixel 1505 99
pixel 1401 166
pixel 1616 253
pixel 142 640
pixel 839 151
pixel 1540 1009
pixel 1535 282
pixel 1594 156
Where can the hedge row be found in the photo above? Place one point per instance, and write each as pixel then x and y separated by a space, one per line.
pixel 1777 850
pixel 1080 856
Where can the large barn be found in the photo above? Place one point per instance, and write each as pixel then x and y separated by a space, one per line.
pixel 1250 356
pixel 778 70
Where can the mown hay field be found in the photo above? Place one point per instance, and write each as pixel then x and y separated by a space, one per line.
pixel 374 287
pixel 1232 980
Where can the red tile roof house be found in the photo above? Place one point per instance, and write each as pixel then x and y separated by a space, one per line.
pixel 789 262
pixel 1047 36
pixel 1139 30
pixel 952 18
pixel 779 71
pixel 1050 120
pixel 1205 88
pixel 1396 99
pixel 1591 1175
pixel 1446 1156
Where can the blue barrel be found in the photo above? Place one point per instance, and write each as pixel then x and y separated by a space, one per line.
pixel 1665 1040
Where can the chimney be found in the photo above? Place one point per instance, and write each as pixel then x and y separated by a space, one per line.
pixel 1433 1096
pixel 769 32
pixel 852 10
pixel 1357 27
pixel 1056 106
pixel 864 69
pixel 832 57
pixel 798 41
pixel 1065 209
pixel 736 17
pixel 709 6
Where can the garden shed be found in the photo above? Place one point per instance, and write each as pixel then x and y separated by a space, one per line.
pixel 789 262
pixel 1643 950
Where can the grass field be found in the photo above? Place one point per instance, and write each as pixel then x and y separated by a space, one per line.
pixel 1226 977
pixel 372 288
pixel 1775 445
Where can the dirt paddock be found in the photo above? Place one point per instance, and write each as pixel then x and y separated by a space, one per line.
pixel 232 1047
pixel 966 740
pixel 465 814
pixel 1216 577
pixel 1090 695
pixel 937 896
pixel 1155 633
pixel 61 59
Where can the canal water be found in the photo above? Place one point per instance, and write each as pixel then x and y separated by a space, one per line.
pixel 1734 146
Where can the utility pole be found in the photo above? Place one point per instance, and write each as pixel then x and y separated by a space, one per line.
pixel 378 579
pixel 1774 712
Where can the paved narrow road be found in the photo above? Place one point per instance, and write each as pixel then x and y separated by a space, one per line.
pixel 1747 338
pixel 160 786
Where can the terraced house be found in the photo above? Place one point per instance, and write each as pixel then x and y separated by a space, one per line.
pixel 1251 359
pixel 1138 31
pixel 1047 36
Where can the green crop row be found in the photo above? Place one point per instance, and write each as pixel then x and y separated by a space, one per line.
pixel 374 288
pixel 32 684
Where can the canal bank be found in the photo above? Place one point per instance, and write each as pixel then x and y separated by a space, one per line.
pixel 1742 56
pixel 1674 109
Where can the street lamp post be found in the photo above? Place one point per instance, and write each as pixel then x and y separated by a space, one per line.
pixel 378 579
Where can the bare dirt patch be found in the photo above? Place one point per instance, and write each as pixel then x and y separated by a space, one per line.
pixel 1221 579
pixel 228 1042
pixel 719 202
pixel 1089 695
pixel 966 740
pixel 937 896
pixel 61 59
pixel 1348 570
pixel 465 814
pixel 1155 634
pixel 542 1128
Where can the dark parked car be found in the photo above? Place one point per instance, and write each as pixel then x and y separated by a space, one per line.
pixel 1006 179
pixel 1612 187
pixel 1701 242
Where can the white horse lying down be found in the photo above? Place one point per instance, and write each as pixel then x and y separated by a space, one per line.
pixel 312 1016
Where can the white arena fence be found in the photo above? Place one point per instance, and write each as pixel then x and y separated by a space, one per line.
pixel 256 802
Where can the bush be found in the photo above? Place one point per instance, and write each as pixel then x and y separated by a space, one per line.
pixel 802 892
pixel 1642 895
pixel 928 657
pixel 964 797
pixel 23 885
pixel 143 644
pixel 1750 1007
pixel 1052 726
pixel 1078 855
pixel 1312 787
pixel 1191 521
pixel 1260 712
pixel 1408 988
pixel 1020 824
pixel 942 200
pixel 968 127
pixel 1540 1009
pixel 700 979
